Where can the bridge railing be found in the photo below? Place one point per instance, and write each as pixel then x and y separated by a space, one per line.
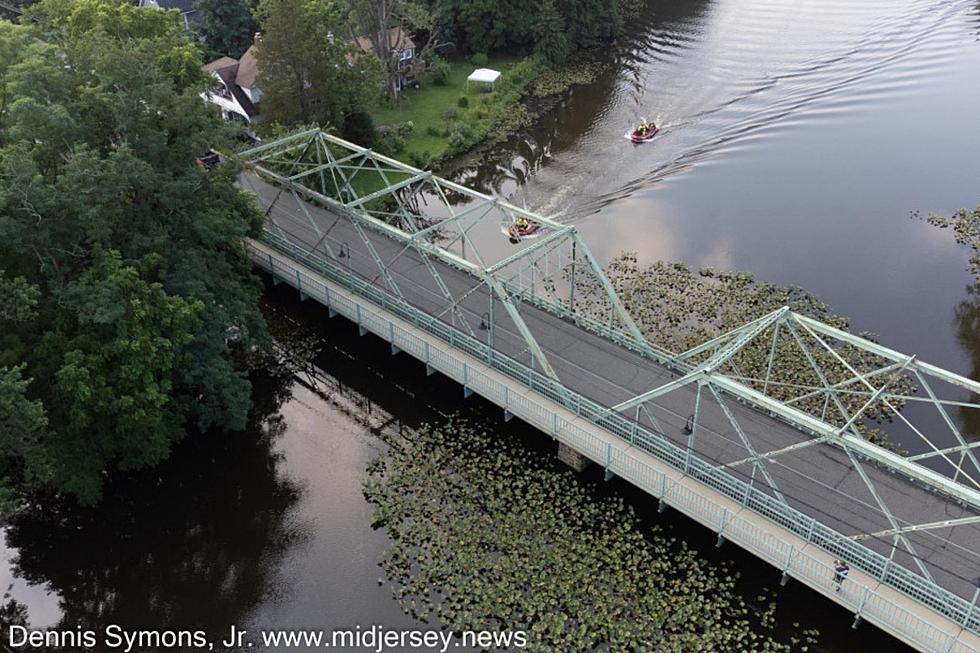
pixel 835 544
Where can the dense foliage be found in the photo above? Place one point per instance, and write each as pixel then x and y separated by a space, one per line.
pixel 309 72
pixel 132 305
pixel 554 28
pixel 486 536
pixel 226 26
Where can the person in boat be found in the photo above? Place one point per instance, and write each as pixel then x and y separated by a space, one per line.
pixel 522 224
pixel 643 129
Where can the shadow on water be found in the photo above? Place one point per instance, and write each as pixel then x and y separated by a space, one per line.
pixel 191 544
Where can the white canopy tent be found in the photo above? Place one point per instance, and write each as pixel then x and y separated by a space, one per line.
pixel 484 76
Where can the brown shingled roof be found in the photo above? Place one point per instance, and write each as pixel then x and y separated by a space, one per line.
pixel 248 69
pixel 222 64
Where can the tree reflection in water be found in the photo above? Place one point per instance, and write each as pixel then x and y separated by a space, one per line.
pixel 194 543
pixel 967 324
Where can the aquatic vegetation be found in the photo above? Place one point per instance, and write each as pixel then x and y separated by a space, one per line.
pixel 486 536
pixel 966 227
pixel 678 308
pixel 558 80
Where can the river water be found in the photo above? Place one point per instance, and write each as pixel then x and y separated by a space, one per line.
pixel 797 139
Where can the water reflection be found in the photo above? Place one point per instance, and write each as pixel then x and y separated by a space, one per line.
pixel 967 324
pixel 191 544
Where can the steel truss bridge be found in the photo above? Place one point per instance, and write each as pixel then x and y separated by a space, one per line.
pixel 779 464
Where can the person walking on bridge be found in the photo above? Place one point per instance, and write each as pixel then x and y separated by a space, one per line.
pixel 841 569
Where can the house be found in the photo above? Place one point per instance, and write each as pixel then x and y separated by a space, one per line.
pixel 188 14
pixel 402 49
pixel 235 91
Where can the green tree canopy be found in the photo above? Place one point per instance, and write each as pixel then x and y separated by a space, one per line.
pixel 309 70
pixel 143 306
pixel 227 26
pixel 555 28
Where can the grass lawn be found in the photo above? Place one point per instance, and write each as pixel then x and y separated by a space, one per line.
pixel 426 107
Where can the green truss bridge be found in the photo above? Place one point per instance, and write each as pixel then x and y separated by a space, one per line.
pixel 779 465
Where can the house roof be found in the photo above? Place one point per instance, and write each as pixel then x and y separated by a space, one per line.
pixel 229 70
pixel 248 69
pixel 222 64
pixel 397 38
pixel 243 101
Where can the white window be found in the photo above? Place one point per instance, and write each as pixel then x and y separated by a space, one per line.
pixel 405 55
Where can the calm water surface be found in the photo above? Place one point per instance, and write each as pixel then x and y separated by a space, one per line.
pixel 797 138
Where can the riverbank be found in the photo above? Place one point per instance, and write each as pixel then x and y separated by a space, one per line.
pixel 446 117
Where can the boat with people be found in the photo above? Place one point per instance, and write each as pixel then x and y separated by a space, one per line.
pixel 643 132
pixel 522 228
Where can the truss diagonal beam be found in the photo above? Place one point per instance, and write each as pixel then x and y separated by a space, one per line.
pixel 778 452
pixel 515 316
pixel 759 462
pixel 888 515
pixel 541 242
pixel 752 328
pixel 422 176
pixel 858 444
pixel 960 448
pixel 885 352
pixel 948 523
pixel 612 296
pixel 966 450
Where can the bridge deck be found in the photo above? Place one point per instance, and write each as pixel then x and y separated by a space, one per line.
pixel 819 481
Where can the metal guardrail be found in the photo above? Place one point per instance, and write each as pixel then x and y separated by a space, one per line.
pixel 794 562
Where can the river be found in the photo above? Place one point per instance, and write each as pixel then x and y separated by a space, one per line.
pixel 798 138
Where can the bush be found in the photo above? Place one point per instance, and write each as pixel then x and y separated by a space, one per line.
pixel 432 130
pixel 461 137
pixel 479 59
pixel 463 102
pixel 389 143
pixel 449 114
pixel 359 128
pixel 421 160
pixel 440 73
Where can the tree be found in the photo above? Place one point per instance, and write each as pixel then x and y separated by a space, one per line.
pixel 114 359
pixel 570 25
pixel 132 252
pixel 227 26
pixel 551 41
pixel 307 72
pixel 385 22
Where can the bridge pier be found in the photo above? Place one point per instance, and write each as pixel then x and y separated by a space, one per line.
pixel 508 415
pixel 572 458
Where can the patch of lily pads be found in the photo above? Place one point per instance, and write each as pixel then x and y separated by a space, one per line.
pixel 678 308
pixel 487 536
